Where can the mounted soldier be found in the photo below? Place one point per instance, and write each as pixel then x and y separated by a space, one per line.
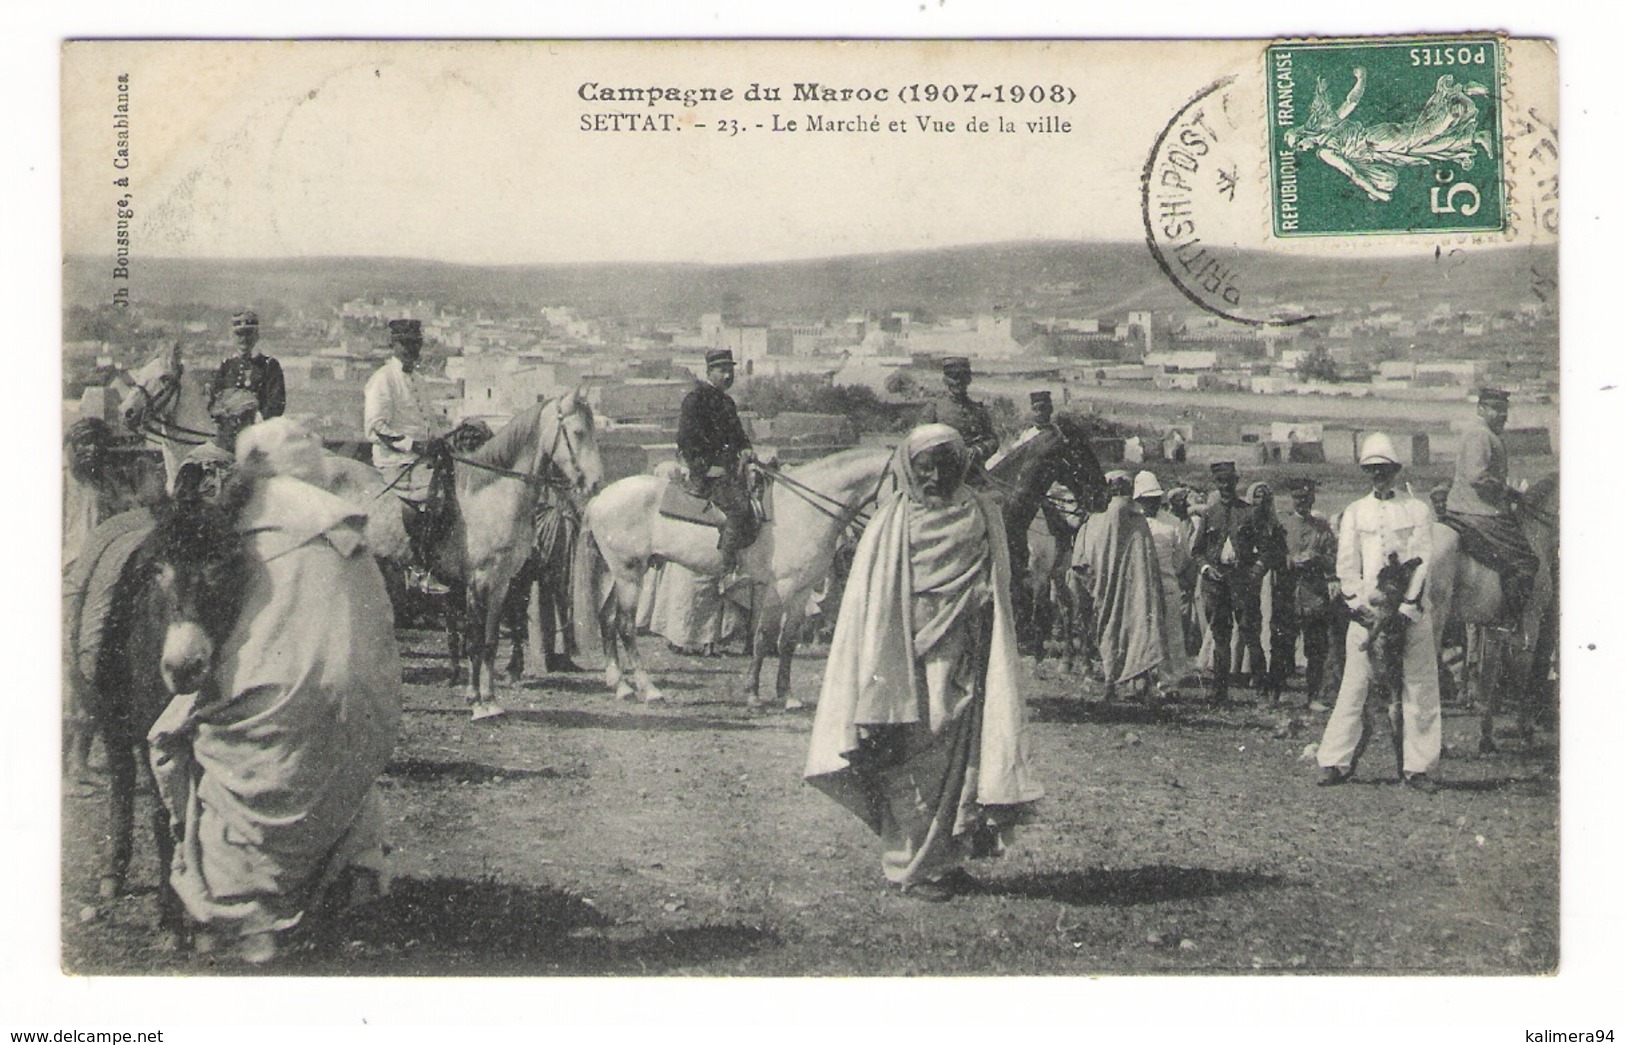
pixel 712 443
pixel 1482 507
pixel 1043 417
pixel 404 451
pixel 250 370
pixel 955 408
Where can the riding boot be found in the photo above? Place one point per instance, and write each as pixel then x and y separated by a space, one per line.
pixel 1514 596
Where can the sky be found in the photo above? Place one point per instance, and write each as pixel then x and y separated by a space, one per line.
pixel 475 152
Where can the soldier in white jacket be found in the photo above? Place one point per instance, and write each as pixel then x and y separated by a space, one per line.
pixel 1385 521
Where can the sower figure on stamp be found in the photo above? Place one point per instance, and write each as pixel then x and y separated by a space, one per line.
pixel 1217 567
pixel 955 408
pixel 399 428
pixel 1386 522
pixel 210 464
pixel 712 443
pixel 250 370
pixel 1302 595
pixel 1481 506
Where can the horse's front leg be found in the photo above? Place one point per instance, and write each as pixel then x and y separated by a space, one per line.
pixel 789 637
pixel 758 653
pixel 626 620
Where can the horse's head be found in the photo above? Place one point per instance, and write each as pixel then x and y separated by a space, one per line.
pixel 155 389
pixel 1080 471
pixel 198 570
pixel 574 450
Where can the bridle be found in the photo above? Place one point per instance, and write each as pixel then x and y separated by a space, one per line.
pixel 155 405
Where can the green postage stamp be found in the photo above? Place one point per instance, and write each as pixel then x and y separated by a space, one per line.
pixel 1388 136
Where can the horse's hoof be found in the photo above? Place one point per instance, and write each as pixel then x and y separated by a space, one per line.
pixel 1486 746
pixel 795 705
pixel 654 696
pixel 109 887
pixel 625 692
pixel 487 710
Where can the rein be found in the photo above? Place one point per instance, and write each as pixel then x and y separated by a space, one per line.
pixel 843 514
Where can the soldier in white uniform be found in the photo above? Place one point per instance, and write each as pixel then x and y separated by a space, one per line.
pixel 400 429
pixel 1385 520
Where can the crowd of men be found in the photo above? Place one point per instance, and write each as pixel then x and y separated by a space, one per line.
pixel 920 724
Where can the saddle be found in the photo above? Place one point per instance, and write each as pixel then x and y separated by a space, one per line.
pixel 677 501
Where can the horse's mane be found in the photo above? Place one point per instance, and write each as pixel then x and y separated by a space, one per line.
pixel 516 440
pixel 839 459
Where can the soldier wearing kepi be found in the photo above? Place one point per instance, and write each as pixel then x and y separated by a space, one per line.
pixel 712 443
pixel 1480 505
pixel 1385 522
pixel 1302 594
pixel 956 409
pixel 399 427
pixel 1216 578
pixel 251 370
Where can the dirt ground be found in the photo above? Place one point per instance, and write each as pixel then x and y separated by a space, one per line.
pixel 584 836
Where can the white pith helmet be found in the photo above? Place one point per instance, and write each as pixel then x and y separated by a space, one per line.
pixel 1146 485
pixel 1378 449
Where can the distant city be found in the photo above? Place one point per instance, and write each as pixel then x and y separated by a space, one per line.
pixel 1162 375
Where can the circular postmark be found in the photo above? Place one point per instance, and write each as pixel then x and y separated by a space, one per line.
pixel 1195 193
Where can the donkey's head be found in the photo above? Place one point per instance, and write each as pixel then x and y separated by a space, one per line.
pixel 198 572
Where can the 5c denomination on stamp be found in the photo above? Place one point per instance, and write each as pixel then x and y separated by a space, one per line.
pixel 1390 136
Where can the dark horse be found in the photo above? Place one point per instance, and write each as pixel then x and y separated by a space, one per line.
pixel 1021 480
pixel 188 573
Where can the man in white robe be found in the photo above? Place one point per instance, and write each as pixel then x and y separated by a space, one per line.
pixel 920 724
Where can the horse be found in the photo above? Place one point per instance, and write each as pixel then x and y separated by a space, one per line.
pixel 1049 550
pixel 492 530
pixel 623 532
pixel 188 572
pixel 161 406
pixel 1500 661
pixel 1021 479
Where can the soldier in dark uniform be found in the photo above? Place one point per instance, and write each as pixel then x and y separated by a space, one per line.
pixel 712 443
pixel 249 369
pixel 959 411
pixel 1260 544
pixel 1220 521
pixel 1302 595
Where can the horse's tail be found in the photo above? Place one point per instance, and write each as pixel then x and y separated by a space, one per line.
pixel 591 587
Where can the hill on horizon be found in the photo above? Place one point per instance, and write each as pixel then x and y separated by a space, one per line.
pixel 1084 280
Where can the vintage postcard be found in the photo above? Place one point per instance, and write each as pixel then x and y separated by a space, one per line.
pixel 1136 462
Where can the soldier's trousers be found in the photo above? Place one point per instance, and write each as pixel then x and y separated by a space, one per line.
pixel 1287 626
pixel 728 493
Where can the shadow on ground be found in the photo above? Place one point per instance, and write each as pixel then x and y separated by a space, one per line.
pixel 1129 888
pixel 562 719
pixel 456 926
pixel 425 770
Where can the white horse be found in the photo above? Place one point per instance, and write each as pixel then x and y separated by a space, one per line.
pixel 167 407
pixel 1501 663
pixel 497 487
pixel 623 532
pixel 491 532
